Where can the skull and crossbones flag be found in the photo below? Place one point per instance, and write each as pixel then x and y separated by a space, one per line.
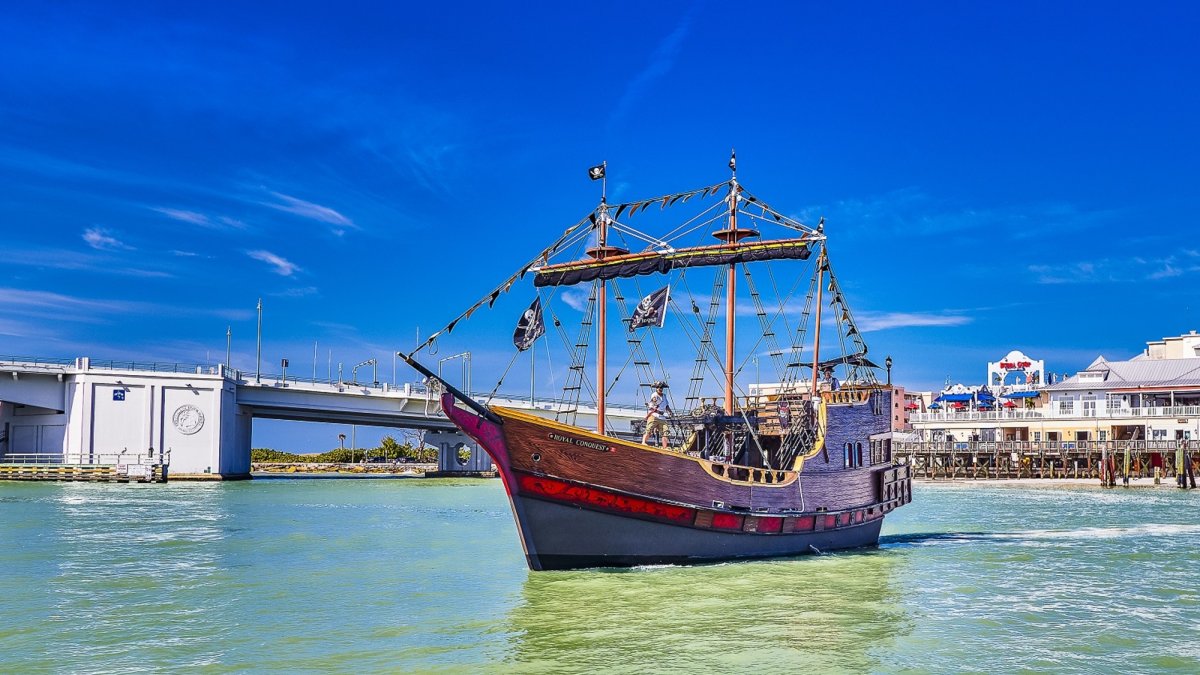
pixel 530 326
pixel 652 310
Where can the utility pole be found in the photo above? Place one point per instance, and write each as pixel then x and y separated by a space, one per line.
pixel 258 365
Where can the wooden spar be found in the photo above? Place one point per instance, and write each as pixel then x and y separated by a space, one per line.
pixel 817 334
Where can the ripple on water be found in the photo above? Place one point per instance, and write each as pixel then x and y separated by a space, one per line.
pixel 370 576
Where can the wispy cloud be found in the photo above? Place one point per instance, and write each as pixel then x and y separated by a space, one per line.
pixel 910 212
pixel 184 216
pixel 1119 270
pixel 101 240
pixel 876 321
pixel 310 210
pixel 661 62
pixel 283 266
pixel 576 299
pixel 303 292
pixel 67 306
pixel 200 219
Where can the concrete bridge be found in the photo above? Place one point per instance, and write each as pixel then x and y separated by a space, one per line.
pixel 198 419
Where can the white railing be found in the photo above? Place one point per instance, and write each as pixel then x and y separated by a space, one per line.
pixel 1054 412
pixel 1037 447
pixel 87 458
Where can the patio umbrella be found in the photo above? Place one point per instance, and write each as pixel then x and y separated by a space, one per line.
pixel 911 406
pixel 1009 404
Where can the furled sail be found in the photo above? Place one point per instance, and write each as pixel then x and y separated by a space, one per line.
pixel 641 264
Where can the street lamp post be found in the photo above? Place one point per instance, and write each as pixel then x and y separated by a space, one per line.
pixel 888 364
pixel 258 364
pixel 466 357
pixel 368 362
pixel 228 344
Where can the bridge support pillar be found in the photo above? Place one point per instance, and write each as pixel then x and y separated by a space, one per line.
pixel 458 455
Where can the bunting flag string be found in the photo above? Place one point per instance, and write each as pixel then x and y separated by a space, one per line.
pixel 491 297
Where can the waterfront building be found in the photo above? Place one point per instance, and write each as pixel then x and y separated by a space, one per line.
pixel 1148 405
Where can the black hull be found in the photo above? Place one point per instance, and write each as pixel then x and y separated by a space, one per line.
pixel 561 537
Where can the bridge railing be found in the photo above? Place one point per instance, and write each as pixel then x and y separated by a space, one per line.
pixel 35 361
pixel 88 458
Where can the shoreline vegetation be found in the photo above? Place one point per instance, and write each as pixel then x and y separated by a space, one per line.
pixel 389 451
pixel 391 458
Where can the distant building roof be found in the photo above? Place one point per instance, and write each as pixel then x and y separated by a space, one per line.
pixel 1136 372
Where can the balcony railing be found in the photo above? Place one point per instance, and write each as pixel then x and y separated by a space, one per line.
pixel 1042 447
pixel 1057 412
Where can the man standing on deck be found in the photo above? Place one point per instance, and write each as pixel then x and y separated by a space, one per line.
pixel 830 381
pixel 658 410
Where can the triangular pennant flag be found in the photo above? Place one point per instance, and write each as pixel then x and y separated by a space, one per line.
pixel 530 326
pixel 652 310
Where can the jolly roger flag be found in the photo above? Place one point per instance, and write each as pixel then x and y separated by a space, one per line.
pixel 652 310
pixel 530 326
pixel 596 172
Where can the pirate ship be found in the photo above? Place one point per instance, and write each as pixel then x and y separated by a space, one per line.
pixel 751 470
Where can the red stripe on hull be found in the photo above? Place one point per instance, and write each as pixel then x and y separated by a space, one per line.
pixel 579 494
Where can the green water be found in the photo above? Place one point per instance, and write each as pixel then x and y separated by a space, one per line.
pixel 427 575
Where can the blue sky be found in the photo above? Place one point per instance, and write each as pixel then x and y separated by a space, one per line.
pixel 993 176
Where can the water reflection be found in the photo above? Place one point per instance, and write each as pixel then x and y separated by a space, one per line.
pixel 832 611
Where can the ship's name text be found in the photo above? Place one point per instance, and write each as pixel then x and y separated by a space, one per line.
pixel 595 445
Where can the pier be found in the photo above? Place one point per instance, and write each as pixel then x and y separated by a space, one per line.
pixel 1165 460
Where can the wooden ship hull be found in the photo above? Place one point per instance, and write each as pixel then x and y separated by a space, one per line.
pixel 581 499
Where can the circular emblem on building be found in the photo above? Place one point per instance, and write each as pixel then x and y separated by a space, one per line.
pixel 188 419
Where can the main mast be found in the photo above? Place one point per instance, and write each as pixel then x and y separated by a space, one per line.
pixel 817 327
pixel 730 294
pixel 731 235
pixel 602 322
pixel 601 251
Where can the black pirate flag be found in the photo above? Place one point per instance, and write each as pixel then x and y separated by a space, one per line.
pixel 652 310
pixel 530 327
